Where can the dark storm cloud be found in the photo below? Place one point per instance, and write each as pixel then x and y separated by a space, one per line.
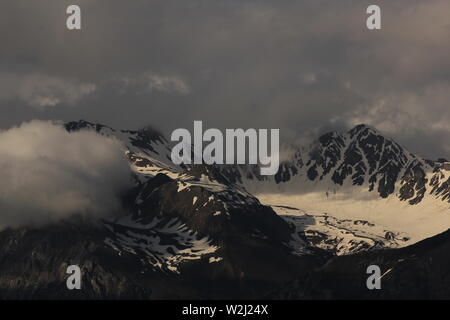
pixel 301 66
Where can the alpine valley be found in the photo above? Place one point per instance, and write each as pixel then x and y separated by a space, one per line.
pixel 344 202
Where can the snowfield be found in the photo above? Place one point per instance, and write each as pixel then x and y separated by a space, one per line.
pixel 415 222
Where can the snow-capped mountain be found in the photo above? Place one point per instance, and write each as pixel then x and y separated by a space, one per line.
pixel 225 231
pixel 195 214
pixel 349 178
pixel 358 175
pixel 359 157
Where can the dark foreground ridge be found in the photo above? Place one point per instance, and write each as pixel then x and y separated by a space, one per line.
pixel 420 271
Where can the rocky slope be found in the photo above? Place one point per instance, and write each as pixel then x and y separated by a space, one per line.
pixel 420 271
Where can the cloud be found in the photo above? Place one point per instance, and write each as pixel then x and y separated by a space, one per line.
pixel 167 84
pixel 148 82
pixel 41 91
pixel 415 118
pixel 49 174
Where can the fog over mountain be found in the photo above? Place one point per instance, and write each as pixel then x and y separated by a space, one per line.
pixel 49 174
pixel 305 67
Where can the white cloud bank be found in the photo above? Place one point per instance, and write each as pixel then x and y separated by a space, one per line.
pixel 48 174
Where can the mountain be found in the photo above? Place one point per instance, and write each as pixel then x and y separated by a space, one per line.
pixel 210 231
pixel 420 271
pixel 386 195
pixel 344 193
pixel 360 157
pixel 181 235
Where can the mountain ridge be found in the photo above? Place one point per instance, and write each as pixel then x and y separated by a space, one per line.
pixel 201 231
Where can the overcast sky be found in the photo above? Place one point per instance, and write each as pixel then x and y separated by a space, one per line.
pixel 302 66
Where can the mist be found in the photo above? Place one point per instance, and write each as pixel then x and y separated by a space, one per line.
pixel 49 174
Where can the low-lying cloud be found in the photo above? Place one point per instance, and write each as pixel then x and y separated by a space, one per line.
pixel 49 174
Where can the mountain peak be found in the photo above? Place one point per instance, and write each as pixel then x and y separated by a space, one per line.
pixel 360 128
pixel 83 124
